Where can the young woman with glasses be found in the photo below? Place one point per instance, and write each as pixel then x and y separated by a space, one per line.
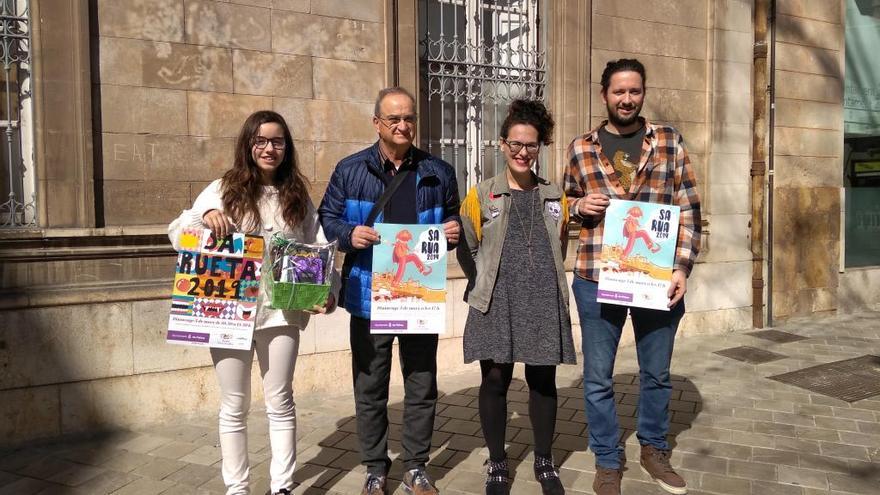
pixel 263 193
pixel 515 239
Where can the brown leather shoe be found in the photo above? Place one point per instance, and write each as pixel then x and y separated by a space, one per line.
pixel 417 482
pixel 655 463
pixel 607 481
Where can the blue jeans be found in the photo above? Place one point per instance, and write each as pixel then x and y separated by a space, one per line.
pixel 601 326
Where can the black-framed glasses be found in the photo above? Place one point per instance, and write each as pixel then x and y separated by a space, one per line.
pixel 516 147
pixel 395 120
pixel 277 143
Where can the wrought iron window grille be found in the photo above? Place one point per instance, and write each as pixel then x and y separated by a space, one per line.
pixel 475 57
pixel 16 117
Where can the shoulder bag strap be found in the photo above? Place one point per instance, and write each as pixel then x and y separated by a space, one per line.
pixel 390 189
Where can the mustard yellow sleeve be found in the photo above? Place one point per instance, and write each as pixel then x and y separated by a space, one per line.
pixel 470 211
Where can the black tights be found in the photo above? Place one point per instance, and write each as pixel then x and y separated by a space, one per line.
pixel 493 405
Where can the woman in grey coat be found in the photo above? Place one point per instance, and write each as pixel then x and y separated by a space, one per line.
pixel 513 251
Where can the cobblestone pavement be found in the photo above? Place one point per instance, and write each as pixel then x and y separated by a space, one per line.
pixel 734 432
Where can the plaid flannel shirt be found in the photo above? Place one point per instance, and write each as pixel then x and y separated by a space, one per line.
pixel 664 175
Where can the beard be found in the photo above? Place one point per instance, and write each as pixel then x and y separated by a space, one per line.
pixel 615 118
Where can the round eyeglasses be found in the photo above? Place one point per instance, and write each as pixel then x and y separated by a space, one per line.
pixel 277 143
pixel 516 147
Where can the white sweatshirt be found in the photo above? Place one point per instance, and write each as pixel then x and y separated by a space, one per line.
pixel 308 231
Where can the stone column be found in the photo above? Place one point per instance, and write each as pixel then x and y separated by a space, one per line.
pixel 808 157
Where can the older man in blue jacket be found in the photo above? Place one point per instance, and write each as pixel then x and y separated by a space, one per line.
pixel 428 194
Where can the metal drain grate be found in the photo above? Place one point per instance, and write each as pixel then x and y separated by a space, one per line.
pixel 849 380
pixel 751 355
pixel 777 336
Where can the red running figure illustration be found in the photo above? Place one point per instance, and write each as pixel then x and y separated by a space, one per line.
pixel 402 255
pixel 633 231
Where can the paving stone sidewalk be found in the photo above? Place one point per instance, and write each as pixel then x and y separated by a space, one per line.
pixel 734 432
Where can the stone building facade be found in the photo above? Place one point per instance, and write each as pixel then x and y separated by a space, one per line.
pixel 137 104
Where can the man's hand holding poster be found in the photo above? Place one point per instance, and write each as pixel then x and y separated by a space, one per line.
pixel 409 280
pixel 638 252
pixel 216 285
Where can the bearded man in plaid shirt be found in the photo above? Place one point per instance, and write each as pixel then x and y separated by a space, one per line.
pixel 628 157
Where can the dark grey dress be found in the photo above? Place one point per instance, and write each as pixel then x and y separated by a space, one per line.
pixel 527 321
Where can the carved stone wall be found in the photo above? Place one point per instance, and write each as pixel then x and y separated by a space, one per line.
pixel 809 157
pixel 175 81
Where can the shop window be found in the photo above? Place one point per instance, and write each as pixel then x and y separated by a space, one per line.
pixel 861 112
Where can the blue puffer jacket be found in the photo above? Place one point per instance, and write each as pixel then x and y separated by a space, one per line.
pixel 354 188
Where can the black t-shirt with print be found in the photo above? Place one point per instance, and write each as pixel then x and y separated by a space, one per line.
pixel 623 151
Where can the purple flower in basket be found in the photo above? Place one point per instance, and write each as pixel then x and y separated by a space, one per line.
pixel 308 269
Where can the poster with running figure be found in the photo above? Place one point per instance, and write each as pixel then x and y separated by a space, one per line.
pixel 216 285
pixel 638 253
pixel 409 279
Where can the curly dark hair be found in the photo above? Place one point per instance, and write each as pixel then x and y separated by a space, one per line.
pixel 241 187
pixel 530 112
pixel 622 65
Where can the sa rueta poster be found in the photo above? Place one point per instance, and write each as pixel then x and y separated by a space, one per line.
pixel 216 286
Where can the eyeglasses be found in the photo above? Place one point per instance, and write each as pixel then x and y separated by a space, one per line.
pixel 395 120
pixel 277 143
pixel 516 147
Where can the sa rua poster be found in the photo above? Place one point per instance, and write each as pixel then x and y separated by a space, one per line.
pixel 638 251
pixel 409 279
pixel 216 285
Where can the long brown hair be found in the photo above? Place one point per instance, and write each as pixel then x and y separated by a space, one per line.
pixel 242 188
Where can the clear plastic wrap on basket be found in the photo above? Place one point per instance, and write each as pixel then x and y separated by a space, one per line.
pixel 301 273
